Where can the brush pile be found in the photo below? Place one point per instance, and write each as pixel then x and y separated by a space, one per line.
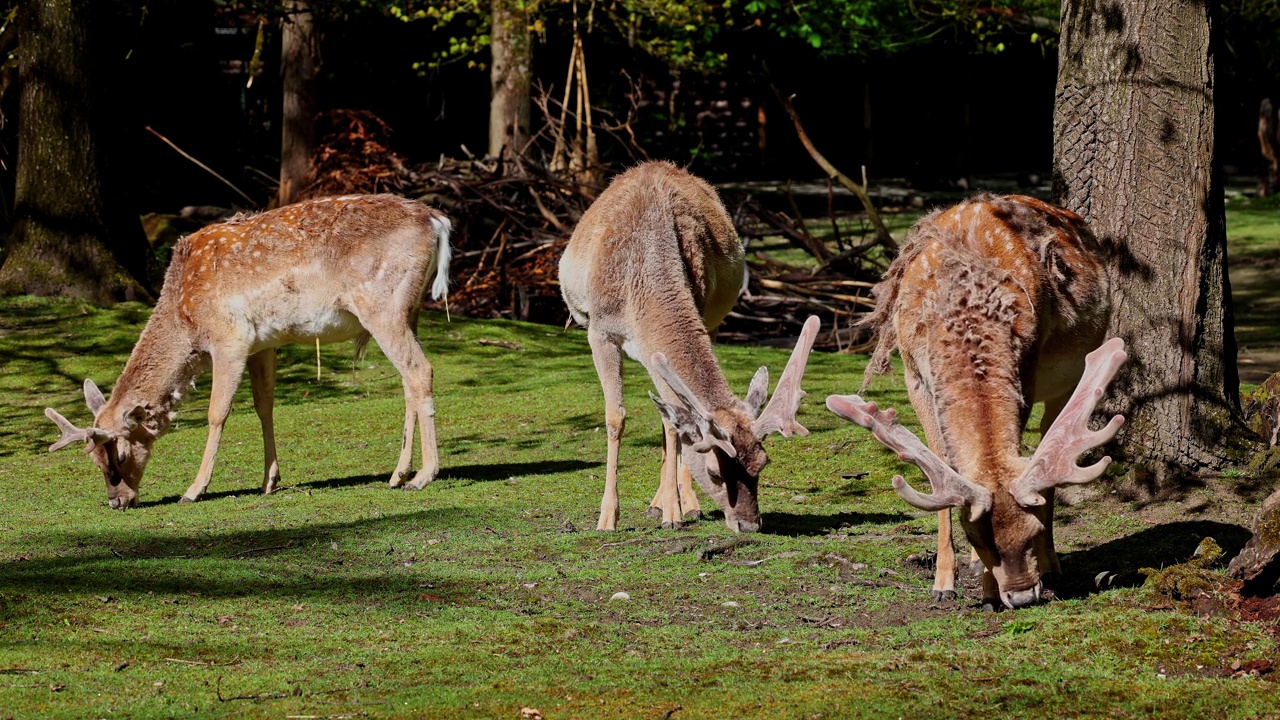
pixel 512 221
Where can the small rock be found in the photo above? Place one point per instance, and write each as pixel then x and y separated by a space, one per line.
pixel 729 603
pixel 798 498
pixel 620 596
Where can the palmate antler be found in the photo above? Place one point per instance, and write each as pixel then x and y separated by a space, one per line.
pixel 780 414
pixel 950 489
pixel 70 433
pixel 1054 462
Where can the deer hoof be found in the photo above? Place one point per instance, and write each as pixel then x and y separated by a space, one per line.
pixel 185 499
pixel 693 515
pixel 991 606
pixel 944 595
pixel 672 525
pixel 653 511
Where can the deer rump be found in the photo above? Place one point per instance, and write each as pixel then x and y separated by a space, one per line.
pixel 993 305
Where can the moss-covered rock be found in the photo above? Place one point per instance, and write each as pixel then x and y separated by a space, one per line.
pixel 1190 579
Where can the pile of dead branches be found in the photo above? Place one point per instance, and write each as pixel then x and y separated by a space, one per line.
pixel 513 218
pixel 354 156
pixel 511 225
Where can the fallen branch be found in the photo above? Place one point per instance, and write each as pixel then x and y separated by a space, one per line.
pixel 882 233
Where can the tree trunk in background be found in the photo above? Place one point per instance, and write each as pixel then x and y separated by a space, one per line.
pixel 1269 145
pixel 299 65
pixel 1134 155
pixel 510 77
pixel 73 233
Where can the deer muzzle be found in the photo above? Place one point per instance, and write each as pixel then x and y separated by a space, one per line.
pixel 1014 599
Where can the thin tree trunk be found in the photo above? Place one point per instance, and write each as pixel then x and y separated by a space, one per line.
pixel 511 78
pixel 1134 155
pixel 299 65
pixel 73 234
pixel 1269 145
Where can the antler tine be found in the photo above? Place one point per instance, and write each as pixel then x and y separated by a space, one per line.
pixel 1054 462
pixel 70 433
pixel 950 489
pixel 780 414
pixel 668 374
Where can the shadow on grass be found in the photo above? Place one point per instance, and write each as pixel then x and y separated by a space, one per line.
pixel 793 525
pixel 290 563
pixel 1156 547
pixel 206 497
pixel 503 471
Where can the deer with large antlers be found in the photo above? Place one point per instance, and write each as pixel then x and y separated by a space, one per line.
pixel 323 270
pixel 651 270
pixel 993 305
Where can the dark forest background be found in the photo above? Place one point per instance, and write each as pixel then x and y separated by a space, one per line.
pixel 931 113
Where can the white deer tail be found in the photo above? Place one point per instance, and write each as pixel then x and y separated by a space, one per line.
pixel 443 254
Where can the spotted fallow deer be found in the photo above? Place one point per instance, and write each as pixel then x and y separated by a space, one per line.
pixel 993 305
pixel 651 270
pixel 323 270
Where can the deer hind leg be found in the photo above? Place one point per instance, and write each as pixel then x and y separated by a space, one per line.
pixel 228 366
pixel 262 378
pixel 396 333
pixel 607 356
pixel 401 473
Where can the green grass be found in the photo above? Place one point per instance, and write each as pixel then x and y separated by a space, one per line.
pixel 489 590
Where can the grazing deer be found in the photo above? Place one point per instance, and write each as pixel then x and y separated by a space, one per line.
pixel 993 305
pixel 323 270
pixel 651 270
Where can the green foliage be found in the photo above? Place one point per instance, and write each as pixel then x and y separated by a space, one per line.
pixel 874 27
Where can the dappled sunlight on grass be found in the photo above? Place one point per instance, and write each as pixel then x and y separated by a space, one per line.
pixel 489 589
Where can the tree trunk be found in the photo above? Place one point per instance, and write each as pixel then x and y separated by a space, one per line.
pixel 73 233
pixel 1269 144
pixel 299 65
pixel 510 78
pixel 1134 155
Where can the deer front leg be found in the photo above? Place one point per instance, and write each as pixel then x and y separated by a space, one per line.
pixel 607 356
pixel 228 366
pixel 690 508
pixel 944 576
pixel 668 493
pixel 262 378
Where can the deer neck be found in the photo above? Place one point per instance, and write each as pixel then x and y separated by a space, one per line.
pixel 161 368
pixel 981 423
pixel 688 348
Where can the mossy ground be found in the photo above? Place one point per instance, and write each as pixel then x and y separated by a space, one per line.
pixel 490 591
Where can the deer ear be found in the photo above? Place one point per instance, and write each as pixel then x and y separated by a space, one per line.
pixel 758 392
pixel 698 432
pixel 136 416
pixel 93 397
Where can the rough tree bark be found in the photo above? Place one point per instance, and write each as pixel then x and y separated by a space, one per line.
pixel 73 234
pixel 1134 155
pixel 299 65
pixel 510 77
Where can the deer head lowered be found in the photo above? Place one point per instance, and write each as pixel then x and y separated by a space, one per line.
pixel 321 270
pixel 993 305
pixel 651 270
